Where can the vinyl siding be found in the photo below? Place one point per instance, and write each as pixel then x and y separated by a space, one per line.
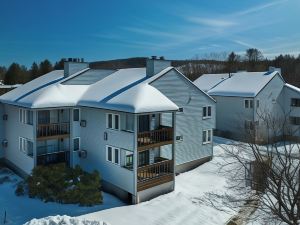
pixel 231 115
pixel 92 140
pixel 1 130
pixel 189 123
pixel 13 129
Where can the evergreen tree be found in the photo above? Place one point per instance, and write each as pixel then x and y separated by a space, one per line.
pixel 34 71
pixel 45 67
pixel 59 65
pixel 13 74
pixel 2 73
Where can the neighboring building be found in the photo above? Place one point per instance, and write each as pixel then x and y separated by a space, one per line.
pixel 136 126
pixel 243 98
pixel 6 88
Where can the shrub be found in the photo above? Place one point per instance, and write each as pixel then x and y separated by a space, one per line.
pixel 20 189
pixel 59 183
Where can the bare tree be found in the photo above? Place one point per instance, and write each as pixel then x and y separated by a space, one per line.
pixel 263 177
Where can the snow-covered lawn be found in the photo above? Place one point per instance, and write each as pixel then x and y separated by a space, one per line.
pixel 179 207
pixel 22 209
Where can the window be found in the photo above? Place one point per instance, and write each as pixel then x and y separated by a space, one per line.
pixel 294 120
pixel 116 122
pixel 26 116
pixel 109 154
pixel 113 121
pixel 257 103
pixel 76 113
pixel 117 155
pixel 26 146
pixel 129 122
pixel 206 112
pixel 76 144
pixel 207 136
pixel 295 102
pixel 248 103
pixel 113 154
pixel 129 160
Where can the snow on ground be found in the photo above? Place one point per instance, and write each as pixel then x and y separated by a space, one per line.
pixel 65 220
pixel 22 209
pixel 179 207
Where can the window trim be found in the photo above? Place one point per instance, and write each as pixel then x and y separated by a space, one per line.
pixel 249 100
pixel 113 150
pixel 23 146
pixel 79 145
pixel 113 121
pixel 23 113
pixel 206 109
pixel 207 141
pixel 79 114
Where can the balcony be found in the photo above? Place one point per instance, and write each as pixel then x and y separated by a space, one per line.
pixel 53 130
pixel 155 138
pixel 53 157
pixel 155 174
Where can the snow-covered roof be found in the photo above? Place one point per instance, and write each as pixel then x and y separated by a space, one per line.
pixel 4 86
pixel 123 90
pixel 240 84
pixel 292 87
pixel 208 81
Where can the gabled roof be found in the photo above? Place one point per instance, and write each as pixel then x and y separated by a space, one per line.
pixel 123 90
pixel 208 81
pixel 292 87
pixel 241 84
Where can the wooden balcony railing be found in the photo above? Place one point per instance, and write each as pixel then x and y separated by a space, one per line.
pixel 53 157
pixel 53 129
pixel 155 174
pixel 155 138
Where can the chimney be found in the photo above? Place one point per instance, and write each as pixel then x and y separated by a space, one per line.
pixel 155 65
pixel 273 69
pixel 74 65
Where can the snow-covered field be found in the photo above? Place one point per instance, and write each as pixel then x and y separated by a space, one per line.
pixel 179 207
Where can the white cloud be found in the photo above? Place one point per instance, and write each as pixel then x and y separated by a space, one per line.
pixel 259 8
pixel 218 23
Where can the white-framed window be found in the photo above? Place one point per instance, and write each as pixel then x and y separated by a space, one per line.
pixel 113 154
pixel 26 116
pixel 76 144
pixel 26 146
pixel 113 121
pixel 206 111
pixel 207 136
pixel 76 114
pixel 249 103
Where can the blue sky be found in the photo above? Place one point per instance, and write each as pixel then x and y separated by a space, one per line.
pixel 33 30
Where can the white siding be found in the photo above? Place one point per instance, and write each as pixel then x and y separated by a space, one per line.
pixel 189 123
pixel 231 115
pixel 92 140
pixel 13 129
pixel 1 130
